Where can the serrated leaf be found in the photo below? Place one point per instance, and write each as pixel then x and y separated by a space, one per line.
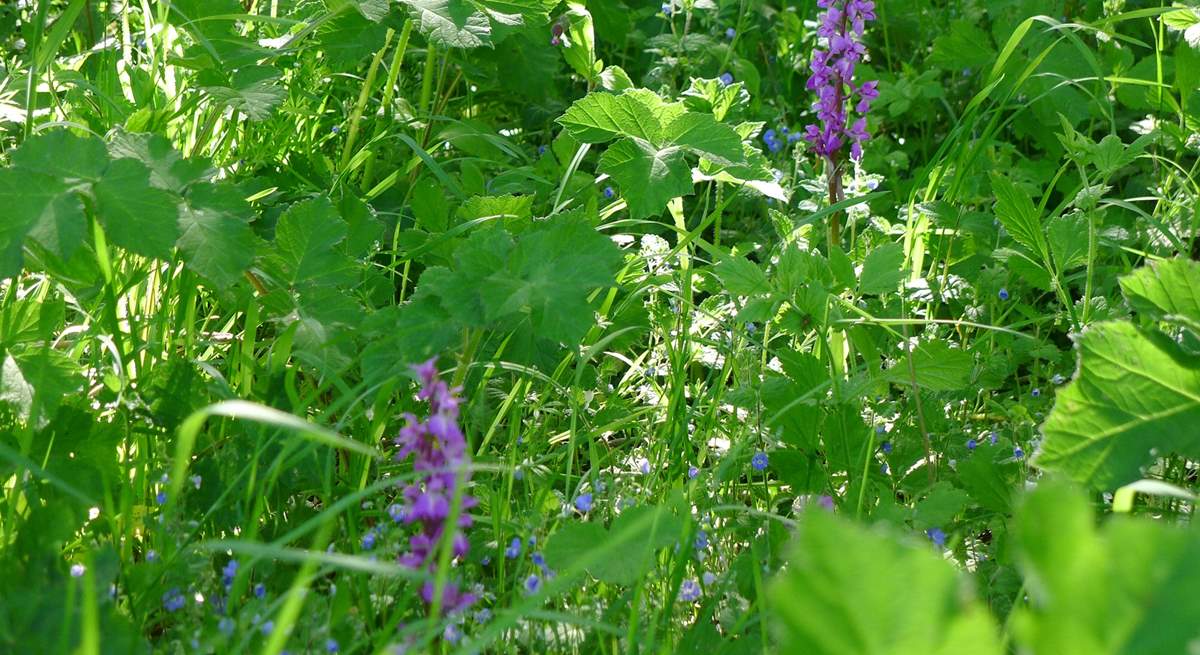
pixel 451 23
pixel 35 382
pixel 852 589
pixel 1018 214
pixel 168 169
pixel 1136 396
pixel 939 508
pixel 649 177
pixel 252 90
pixel 937 367
pixel 702 135
pixel 601 117
pixel 62 154
pixel 1167 288
pixel 42 208
pixel 742 277
pixel 216 240
pixel 966 45
pixel 306 242
pixel 883 270
pixel 135 215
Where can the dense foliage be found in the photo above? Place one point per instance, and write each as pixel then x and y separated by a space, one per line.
pixel 604 326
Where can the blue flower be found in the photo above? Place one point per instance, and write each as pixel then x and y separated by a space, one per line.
pixel 260 590
pixel 1058 379
pixel 229 572
pixel 709 578
pixel 226 626
pixel 161 498
pixel 644 466
pixel 971 444
pixel 937 536
pixel 268 627
pixel 692 472
pixel 77 570
pixel 533 584
pixel 331 646
pixel 541 150
pixel 483 615
pixel 173 600
pixel 759 461
pixel 994 437
pixel 335 129
pixel 884 468
pixel 396 511
pixel 609 193
pixel 1003 294
pixel 368 540
pixel 726 78
pixel 1017 452
pixel 1036 393
pixel 886 447
pixel 730 33
pixel 880 429
pixel 666 9
pixel 701 540
pixel 584 503
pixel 538 560
pixel 689 591
pixel 196 480
pixel 514 548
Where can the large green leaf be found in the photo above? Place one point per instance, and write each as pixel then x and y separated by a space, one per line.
pixel 306 240
pixel 41 207
pixel 601 117
pixel 252 90
pixel 34 383
pixel 216 239
pixel 936 366
pixel 852 589
pixel 1126 589
pixel 1170 288
pixel 627 549
pixel 451 23
pixel 1136 394
pixel 1018 214
pixel 62 154
pixel 648 176
pixel 138 217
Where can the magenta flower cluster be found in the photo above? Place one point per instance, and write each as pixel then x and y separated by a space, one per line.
pixel 440 458
pixel 841 26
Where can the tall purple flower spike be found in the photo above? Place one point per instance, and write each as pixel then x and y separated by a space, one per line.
pixel 440 456
pixel 842 26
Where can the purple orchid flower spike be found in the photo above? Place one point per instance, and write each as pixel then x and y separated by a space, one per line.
pixel 440 456
pixel 833 66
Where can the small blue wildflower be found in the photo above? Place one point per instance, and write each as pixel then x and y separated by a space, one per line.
pixel 196 480
pixel 268 627
pixel 609 193
pixel 644 466
pixel 701 540
pixel 709 578
pixel 693 472
pixel 1036 393
pixel 173 600
pixel 514 548
pixel 532 540
pixel 396 511
pixel 161 498
pixel 730 33
pixel 483 615
pixel 774 147
pixel 1058 379
pixel 335 129
pixel 452 634
pixel 226 626
pixel 77 570
pixel 689 591
pixel 229 572
pixel 541 150
pixel 584 503
pixel 884 468
pixel 971 444
pixel 759 461
pixel 994 437
pixel 485 560
pixel 332 646
pixel 886 447
pixel 538 560
pixel 1003 294
pixel 1017 452
pixel 769 136
pixel 533 584
pixel 260 590
pixel 666 9
pixel 726 78
pixel 518 474
pixel 937 536
pixel 368 540
pixel 880 429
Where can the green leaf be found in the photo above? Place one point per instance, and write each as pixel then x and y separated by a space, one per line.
pixel 216 240
pixel 41 207
pixel 548 277
pixel 702 135
pixel 580 47
pixel 252 90
pixel 852 589
pixel 600 117
pixel 34 383
pixel 938 367
pixel 742 277
pixel 168 169
pixel 62 154
pixel 137 216
pixel 482 254
pixel 964 46
pixel 451 23
pixel 1164 289
pixel 649 177
pixel 306 240
pixel 641 532
pixel 1136 396
pixel 883 270
pixel 984 480
pixel 1125 589
pixel 939 508
pixel 412 332
pixel 1018 215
